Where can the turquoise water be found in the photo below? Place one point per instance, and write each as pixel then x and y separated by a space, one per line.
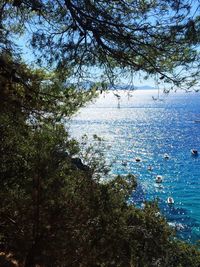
pixel 138 126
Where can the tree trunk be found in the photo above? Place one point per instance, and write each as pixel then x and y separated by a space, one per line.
pixel 34 254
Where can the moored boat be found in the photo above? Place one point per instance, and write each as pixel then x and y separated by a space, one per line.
pixel 159 179
pixel 137 159
pixel 124 163
pixel 149 168
pixel 170 200
pixel 194 152
pixel 166 156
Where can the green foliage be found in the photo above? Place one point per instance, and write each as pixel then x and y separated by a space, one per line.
pixel 33 144
pixel 55 209
pixel 73 36
pixel 38 93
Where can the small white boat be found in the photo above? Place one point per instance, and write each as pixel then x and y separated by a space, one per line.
pixel 124 163
pixel 149 168
pixel 158 186
pixel 170 200
pixel 194 152
pixel 159 179
pixel 166 156
pixel 179 227
pixel 176 226
pixel 137 159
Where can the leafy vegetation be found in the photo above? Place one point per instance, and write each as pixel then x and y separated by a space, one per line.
pixel 54 210
pixel 160 38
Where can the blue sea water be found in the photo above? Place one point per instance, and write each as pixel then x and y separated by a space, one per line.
pixel 138 126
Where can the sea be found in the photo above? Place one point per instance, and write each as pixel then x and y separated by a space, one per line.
pixel 141 124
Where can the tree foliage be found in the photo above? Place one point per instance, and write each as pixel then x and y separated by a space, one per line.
pixel 55 210
pixel 158 37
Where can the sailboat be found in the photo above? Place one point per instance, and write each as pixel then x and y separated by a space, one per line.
pixel 129 95
pixel 118 99
pixel 158 96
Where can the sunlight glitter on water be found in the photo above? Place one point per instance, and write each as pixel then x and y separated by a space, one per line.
pixel 148 129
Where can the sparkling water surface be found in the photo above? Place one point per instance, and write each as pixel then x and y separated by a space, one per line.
pixel 135 125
